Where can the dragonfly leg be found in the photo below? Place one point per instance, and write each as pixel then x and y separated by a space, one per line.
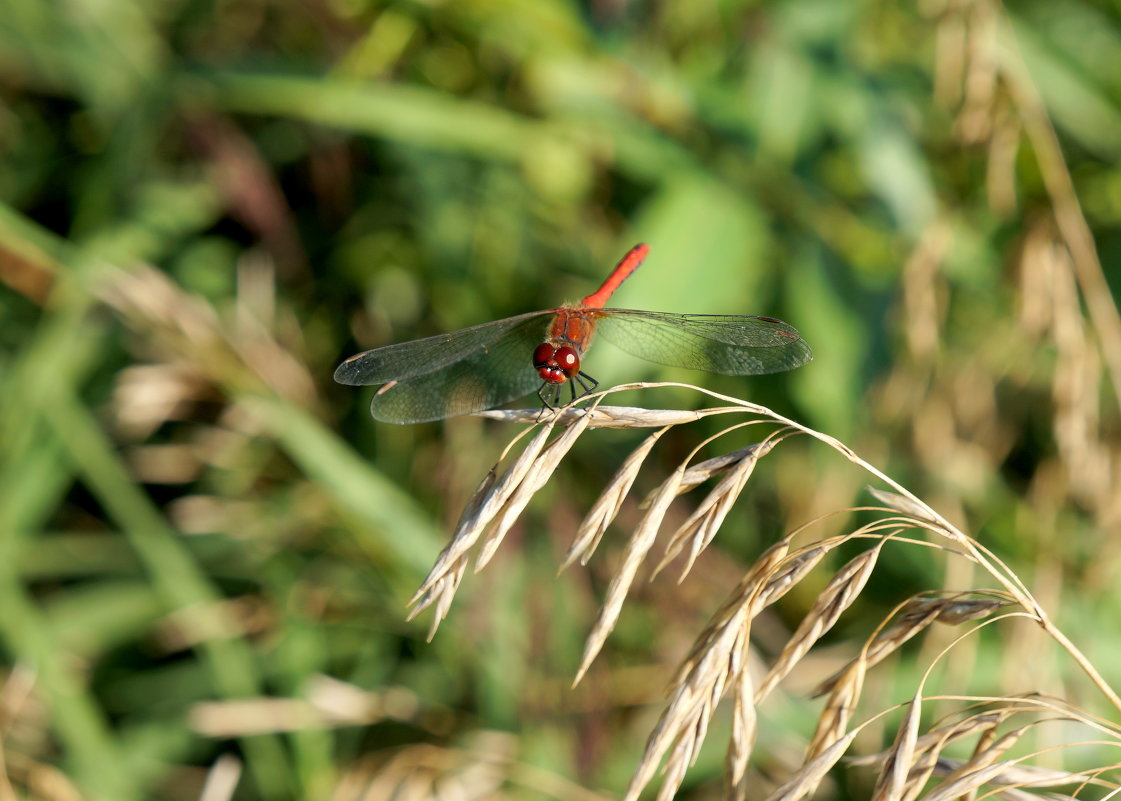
pixel 587 384
pixel 548 394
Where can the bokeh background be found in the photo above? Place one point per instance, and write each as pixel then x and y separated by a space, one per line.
pixel 206 546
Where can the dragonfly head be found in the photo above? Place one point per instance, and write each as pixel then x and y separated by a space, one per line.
pixel 556 365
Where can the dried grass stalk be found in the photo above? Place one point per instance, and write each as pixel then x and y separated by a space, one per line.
pixel 967 782
pixel 839 708
pixel 703 471
pixel 956 611
pixel 923 765
pixel 489 498
pixel 901 756
pixel 917 614
pixel 745 728
pixel 634 554
pixel 928 750
pixel 835 598
pixel 607 416
pixel 717 660
pixel 539 471
pixel 1037 776
pixel 716 666
pixel 805 782
pixel 937 739
pixel 793 569
pixel 701 526
pixel 605 509
pixel 440 594
pixel 988 755
pixel 902 503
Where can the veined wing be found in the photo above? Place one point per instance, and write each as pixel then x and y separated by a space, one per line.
pixel 469 374
pixel 406 360
pixel 716 343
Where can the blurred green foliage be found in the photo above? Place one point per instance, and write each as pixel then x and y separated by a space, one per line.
pixel 207 205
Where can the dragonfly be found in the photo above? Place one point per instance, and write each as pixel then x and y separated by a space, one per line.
pixel 490 364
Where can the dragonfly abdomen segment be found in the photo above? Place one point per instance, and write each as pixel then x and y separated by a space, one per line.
pixel 627 265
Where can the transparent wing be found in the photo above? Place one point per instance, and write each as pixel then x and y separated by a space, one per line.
pixel 716 343
pixel 423 356
pixel 487 374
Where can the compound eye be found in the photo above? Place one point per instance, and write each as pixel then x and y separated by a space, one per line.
pixel 543 355
pixel 568 360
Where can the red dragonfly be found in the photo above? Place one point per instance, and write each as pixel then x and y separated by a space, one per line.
pixel 490 364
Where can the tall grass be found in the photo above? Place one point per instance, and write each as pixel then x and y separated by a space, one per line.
pixel 207 548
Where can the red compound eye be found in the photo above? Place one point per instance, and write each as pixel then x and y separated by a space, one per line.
pixel 556 365
pixel 568 360
pixel 542 355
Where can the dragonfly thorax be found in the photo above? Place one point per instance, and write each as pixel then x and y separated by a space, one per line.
pixel 556 365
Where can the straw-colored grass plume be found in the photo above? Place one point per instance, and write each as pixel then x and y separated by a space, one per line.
pixel 721 668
